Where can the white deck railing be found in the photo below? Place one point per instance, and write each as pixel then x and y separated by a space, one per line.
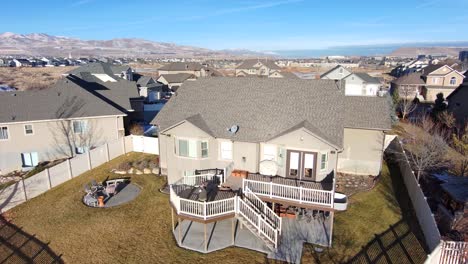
pixel 194 180
pixel 454 252
pixel 202 210
pixel 261 225
pixel 262 207
pixel 297 194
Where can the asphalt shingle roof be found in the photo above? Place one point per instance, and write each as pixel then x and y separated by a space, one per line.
pixel 410 79
pixel 177 77
pixel 265 108
pixel 366 77
pixel 100 68
pixel 70 97
pixel 249 64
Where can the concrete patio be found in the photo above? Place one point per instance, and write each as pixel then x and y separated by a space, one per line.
pixel 219 236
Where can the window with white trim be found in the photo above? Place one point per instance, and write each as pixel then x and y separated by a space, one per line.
pixel 226 150
pixel 4 133
pixel 269 152
pixel 79 126
pixel 204 149
pixel 453 81
pixel 187 148
pixel 323 161
pixel 28 130
pixel 30 159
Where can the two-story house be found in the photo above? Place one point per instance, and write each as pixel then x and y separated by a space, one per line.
pixel 78 113
pixel 281 142
pixel 356 84
pixel 257 67
pixel 440 78
pixel 193 68
pixel 119 71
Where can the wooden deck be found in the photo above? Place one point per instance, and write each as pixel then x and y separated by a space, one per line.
pixel 193 193
pixel 327 186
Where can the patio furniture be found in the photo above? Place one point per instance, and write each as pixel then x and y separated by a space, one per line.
pixel 89 200
pixel 225 187
pixel 87 189
pixel 202 196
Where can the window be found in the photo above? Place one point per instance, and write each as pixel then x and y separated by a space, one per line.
pixel 226 150
pixel 79 127
pixel 269 152
pixel 204 149
pixel 187 148
pixel 435 80
pixel 3 133
pixel 30 159
pixel 341 70
pixel 28 130
pixel 323 161
pixel 453 81
pixel 81 150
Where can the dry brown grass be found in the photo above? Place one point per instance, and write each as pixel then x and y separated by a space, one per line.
pixel 31 78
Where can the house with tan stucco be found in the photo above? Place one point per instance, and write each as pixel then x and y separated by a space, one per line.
pixel 440 78
pixel 258 67
pixel 78 113
pixel 255 151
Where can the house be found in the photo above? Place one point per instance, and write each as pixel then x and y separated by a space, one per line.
pixel 281 141
pixel 336 73
pixel 120 71
pixel 75 115
pixel 174 81
pixel 409 86
pixel 440 78
pixel 193 68
pixel 283 74
pixel 458 103
pixel 361 83
pixel 257 67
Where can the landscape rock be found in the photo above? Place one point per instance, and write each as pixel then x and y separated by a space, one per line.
pixel 155 171
pixel 147 171
pixel 120 172
pixel 138 172
pixel 131 171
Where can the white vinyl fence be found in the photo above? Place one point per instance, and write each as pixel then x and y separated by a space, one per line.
pixel 39 183
pixel 396 154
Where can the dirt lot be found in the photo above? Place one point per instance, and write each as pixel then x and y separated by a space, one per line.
pixel 31 78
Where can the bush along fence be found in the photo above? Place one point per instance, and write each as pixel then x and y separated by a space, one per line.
pixel 28 188
pixel 441 251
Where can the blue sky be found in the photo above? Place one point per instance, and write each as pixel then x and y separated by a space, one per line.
pixel 250 24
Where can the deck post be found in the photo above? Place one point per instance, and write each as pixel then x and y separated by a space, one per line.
pixel 172 219
pixel 180 231
pixel 233 230
pixel 206 244
pixel 271 189
pixel 331 229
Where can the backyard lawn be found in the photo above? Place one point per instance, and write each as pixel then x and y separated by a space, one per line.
pixel 140 231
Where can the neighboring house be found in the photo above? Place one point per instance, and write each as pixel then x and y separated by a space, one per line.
pixel 108 76
pixel 193 68
pixel 440 79
pixel 410 86
pixel 149 89
pixel 15 63
pixel 361 83
pixel 120 71
pixel 76 114
pixel 458 103
pixel 300 132
pixel 174 81
pixel 283 74
pixel 257 67
pixel 336 73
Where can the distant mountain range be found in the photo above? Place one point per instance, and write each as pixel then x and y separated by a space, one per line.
pixel 40 44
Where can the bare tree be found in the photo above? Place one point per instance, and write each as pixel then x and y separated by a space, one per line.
pixel 70 134
pixel 426 147
pixel 460 144
pixel 406 101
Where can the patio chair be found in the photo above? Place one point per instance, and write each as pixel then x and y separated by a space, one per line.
pixel 202 196
pixel 91 201
pixel 87 189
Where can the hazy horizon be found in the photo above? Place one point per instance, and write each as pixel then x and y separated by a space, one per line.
pixel 252 24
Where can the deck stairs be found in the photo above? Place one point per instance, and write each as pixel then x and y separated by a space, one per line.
pixel 255 214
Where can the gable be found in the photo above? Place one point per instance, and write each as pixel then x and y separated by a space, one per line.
pixel 185 129
pixel 302 138
pixel 441 71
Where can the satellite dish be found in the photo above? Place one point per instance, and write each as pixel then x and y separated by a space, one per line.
pixel 233 129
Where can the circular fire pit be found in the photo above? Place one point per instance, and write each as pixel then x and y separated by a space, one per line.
pixel 110 193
